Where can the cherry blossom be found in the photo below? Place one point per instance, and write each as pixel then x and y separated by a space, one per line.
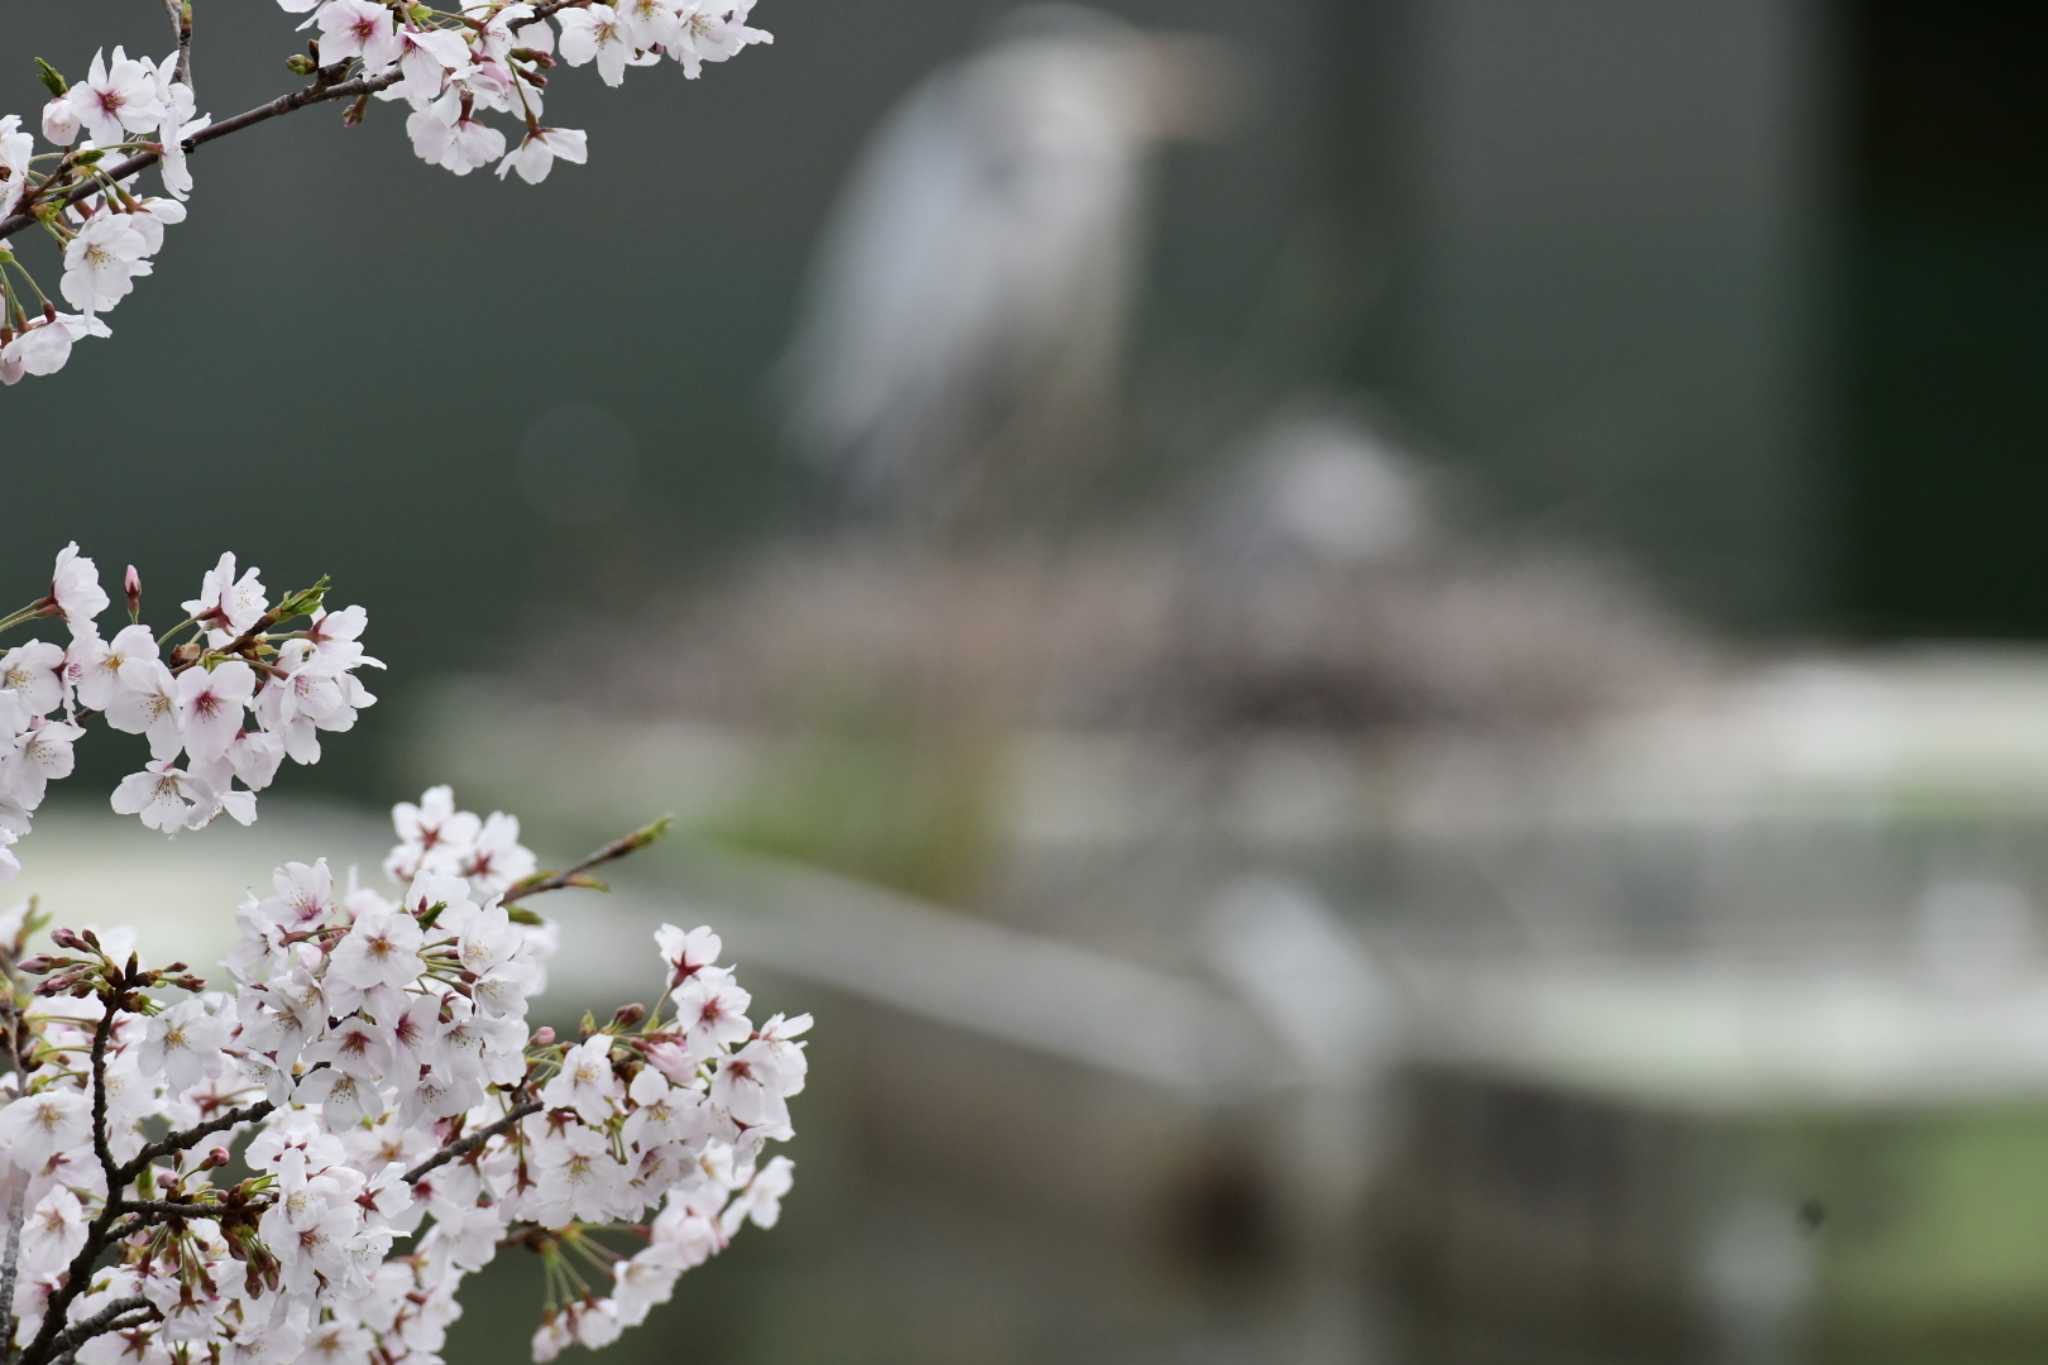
pixel 75 587
pixel 474 79
pixel 60 123
pixel 308 1163
pixel 166 797
pixel 375 1191
pixel 536 155
pixel 713 31
pixel 597 34
pixel 227 605
pixel 116 99
pixel 210 703
pixel 193 701
pixel 102 263
pixel 44 347
pixel 183 1044
pixel 38 1126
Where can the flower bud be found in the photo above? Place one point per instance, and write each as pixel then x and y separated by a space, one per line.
pixel 60 122
pixel 629 1016
pixel 299 64
pixel 131 585
pixel 544 1036
pixel 215 1159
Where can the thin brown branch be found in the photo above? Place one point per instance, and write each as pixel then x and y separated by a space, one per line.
pixel 158 1210
pixel 11 1268
pixel 570 876
pixel 184 1140
pixel 181 28
pixel 462 1146
pixel 76 1277
pixel 101 1032
pixel 108 1319
pixel 49 1340
pixel 10 1262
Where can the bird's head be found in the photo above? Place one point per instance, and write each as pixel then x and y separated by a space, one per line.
pixel 1164 86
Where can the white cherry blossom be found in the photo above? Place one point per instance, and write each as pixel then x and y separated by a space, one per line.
pixel 36 1127
pixel 44 347
pixel 116 98
pixel 166 797
pixel 380 949
pixel 359 28
pixel 597 34
pixel 210 706
pixel 538 151
pixel 372 1061
pixel 183 1044
pixel 75 587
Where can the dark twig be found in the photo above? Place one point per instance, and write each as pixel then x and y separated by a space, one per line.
pixel 77 1275
pixel 181 27
pixel 327 85
pixel 101 1032
pixel 79 1272
pixel 10 1260
pixel 172 1143
pixel 572 876
pixel 464 1145
pixel 158 1210
pixel 108 1319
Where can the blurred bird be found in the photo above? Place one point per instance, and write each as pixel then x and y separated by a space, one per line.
pixel 969 298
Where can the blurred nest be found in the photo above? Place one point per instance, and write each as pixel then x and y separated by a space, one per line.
pixel 1151 630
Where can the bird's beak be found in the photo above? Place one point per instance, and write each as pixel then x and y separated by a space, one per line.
pixel 1199 91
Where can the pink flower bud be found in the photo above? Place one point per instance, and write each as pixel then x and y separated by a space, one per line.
pixel 544 1035
pixel 60 122
pixel 131 584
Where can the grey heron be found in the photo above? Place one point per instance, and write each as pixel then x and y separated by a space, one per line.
pixel 970 294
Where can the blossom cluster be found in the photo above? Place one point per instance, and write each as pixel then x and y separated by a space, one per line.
pixel 454 68
pixel 220 711
pixel 400 1118
pixel 110 236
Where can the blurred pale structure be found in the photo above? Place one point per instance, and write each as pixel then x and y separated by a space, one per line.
pixel 971 295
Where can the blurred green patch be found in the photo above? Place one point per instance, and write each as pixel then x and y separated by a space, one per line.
pixel 878 795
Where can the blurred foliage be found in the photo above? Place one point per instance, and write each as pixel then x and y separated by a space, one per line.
pixel 878 796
